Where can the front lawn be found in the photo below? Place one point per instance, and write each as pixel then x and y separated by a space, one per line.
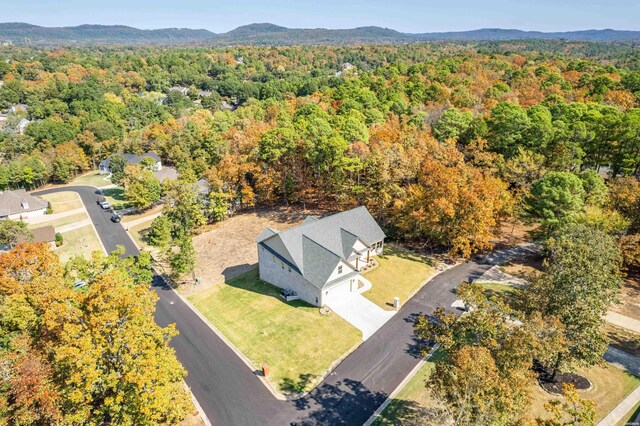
pixel 115 197
pixel 293 339
pixel 505 292
pixel 63 201
pixel 139 232
pixel 91 179
pixel 610 385
pixel 60 221
pixel 413 402
pixel 399 274
pixel 81 241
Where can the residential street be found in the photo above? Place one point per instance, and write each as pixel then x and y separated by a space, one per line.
pixel 231 394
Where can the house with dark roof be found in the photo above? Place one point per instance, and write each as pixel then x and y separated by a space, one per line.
pixel 104 169
pixel 320 260
pixel 19 205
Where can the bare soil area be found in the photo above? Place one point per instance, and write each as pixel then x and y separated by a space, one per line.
pixel 629 296
pixel 228 248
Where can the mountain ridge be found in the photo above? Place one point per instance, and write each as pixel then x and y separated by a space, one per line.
pixel 21 33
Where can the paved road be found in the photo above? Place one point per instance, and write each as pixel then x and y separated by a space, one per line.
pixel 111 234
pixel 231 394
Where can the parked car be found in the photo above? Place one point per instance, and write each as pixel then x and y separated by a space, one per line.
pixel 116 218
pixel 103 203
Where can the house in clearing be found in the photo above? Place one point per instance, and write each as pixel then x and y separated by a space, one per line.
pixel 320 260
pixel 104 169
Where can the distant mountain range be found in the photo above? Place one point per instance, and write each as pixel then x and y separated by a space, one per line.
pixel 270 34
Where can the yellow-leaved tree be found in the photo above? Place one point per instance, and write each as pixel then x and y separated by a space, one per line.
pixel 96 355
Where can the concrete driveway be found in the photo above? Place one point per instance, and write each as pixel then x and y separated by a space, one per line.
pixel 361 313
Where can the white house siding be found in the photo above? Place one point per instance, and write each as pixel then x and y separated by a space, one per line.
pixel 26 215
pixel 337 291
pixel 346 268
pixel 275 273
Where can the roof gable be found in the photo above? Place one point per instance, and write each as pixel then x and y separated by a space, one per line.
pixel 316 246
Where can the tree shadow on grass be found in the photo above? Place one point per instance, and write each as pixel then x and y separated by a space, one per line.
pixel 299 386
pixel 409 413
pixel 250 281
pixel 116 193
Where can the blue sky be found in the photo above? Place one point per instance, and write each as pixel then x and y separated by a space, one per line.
pixel 402 15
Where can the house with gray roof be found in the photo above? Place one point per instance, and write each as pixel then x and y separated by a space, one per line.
pixel 104 169
pixel 320 260
pixel 20 205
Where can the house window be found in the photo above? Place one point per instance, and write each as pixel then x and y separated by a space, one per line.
pixel 340 269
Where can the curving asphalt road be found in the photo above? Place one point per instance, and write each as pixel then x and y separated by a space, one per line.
pixel 231 394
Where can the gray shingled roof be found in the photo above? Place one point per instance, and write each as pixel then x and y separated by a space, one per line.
pixel 132 158
pixel 316 246
pixel 45 234
pixel 16 202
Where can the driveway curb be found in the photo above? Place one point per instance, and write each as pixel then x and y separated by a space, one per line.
pixel 401 386
pixel 222 337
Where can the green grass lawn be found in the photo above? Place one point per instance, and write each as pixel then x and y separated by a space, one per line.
pixel 138 233
pixel 610 385
pixel 399 274
pixel 293 339
pixel 631 416
pixel 62 221
pixel 91 179
pixel 115 197
pixel 413 402
pixel 63 201
pixel 82 241
pixel 506 292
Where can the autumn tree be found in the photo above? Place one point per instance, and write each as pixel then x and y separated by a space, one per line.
pixel 452 203
pixel 573 411
pixel 580 281
pixel 504 352
pixel 141 188
pixel 12 231
pixel 91 356
pixel 117 164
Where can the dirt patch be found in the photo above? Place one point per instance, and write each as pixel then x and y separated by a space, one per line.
pixel 228 248
pixel 553 385
pixel 524 268
pixel 629 296
pixel 514 233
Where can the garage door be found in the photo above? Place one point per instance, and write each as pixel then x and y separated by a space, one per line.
pixel 336 292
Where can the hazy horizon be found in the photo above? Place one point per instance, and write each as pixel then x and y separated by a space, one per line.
pixel 411 16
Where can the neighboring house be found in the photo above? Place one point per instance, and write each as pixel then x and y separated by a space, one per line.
pixel 18 108
pixel 22 125
pixel 320 260
pixel 104 169
pixel 203 187
pixel 205 93
pixel 166 173
pixel 19 205
pixel 183 90
pixel 46 234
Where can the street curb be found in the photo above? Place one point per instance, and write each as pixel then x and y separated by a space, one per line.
pixel 401 386
pixel 237 351
pixel 196 404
